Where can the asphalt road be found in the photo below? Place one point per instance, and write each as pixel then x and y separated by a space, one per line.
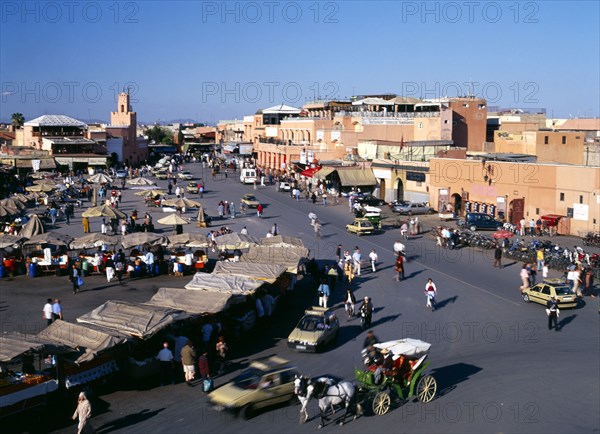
pixel 498 367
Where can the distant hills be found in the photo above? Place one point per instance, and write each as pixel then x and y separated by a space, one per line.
pixel 7 120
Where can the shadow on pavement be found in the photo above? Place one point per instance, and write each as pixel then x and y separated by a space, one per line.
pixel 448 377
pixel 566 321
pixel 443 303
pixel 129 420
pixel 385 319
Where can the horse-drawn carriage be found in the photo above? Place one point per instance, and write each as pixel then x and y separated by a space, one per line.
pixel 401 379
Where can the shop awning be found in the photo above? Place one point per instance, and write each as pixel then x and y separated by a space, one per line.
pixel 45 163
pixel 310 172
pixel 552 219
pixel 324 172
pixel 356 177
pixel 194 302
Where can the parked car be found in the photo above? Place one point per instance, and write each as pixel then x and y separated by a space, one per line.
pixel 284 186
pixel 318 327
pixel 250 200
pixel 263 384
pixel 542 292
pixel 478 220
pixel 162 174
pixel 360 226
pixel 192 187
pixel 370 200
pixel 122 173
pixel 413 208
pixel 393 204
pixel 185 175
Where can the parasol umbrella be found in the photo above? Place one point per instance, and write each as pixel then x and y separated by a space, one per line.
pixel 235 241
pixel 188 239
pixel 103 211
pixel 46 188
pixel 21 197
pixel 141 181
pixel 48 181
pixel 99 178
pixel 52 238
pixel 94 240
pixel 141 238
pixel 6 211
pixel 182 202
pixel 150 193
pixel 10 240
pixel 502 234
pixel 33 227
pixel 172 219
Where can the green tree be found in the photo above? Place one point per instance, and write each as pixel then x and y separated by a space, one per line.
pixel 17 120
pixel 158 135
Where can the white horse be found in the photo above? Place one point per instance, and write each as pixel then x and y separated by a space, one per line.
pixel 329 394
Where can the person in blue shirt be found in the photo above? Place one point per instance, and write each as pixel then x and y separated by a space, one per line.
pixel 324 293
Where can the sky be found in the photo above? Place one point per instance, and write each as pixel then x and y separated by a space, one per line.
pixel 215 60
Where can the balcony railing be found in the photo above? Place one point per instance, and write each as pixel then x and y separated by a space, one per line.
pixel 393 115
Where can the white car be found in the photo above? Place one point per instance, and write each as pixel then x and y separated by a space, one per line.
pixel 284 186
pixel 186 175
pixel 121 173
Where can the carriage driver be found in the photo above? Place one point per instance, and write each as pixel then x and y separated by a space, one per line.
pixel 388 361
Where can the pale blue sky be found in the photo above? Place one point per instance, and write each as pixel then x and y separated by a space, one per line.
pixel 222 60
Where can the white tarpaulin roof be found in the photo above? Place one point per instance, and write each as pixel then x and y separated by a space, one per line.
pixel 13 344
pixel 291 257
pixel 407 346
pixel 281 241
pixel 139 320
pixel 235 241
pixel 79 336
pixel 266 272
pixel 194 302
pixel 222 283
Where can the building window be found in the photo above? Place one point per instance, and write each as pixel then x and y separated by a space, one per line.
pixel 465 105
pixel 545 140
pixel 564 140
pixel 420 125
pixel 562 197
pixel 580 199
pixel 537 211
pixel 445 121
pixel 481 106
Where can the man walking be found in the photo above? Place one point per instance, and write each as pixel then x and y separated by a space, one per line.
pixel 188 360
pixel 324 293
pixel 497 255
pixel 553 313
pixel 47 311
pixel 373 257
pixel 165 357
pixel 356 258
pixel 56 310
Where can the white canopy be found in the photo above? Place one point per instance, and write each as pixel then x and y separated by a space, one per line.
pixel 291 257
pixel 265 272
pixel 406 346
pixel 224 283
pixel 194 302
pixel 139 320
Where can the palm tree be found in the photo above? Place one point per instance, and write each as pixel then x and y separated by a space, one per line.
pixel 17 120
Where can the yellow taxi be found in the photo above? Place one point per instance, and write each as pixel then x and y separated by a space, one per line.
pixel 265 383
pixel 360 226
pixel 542 292
pixel 318 327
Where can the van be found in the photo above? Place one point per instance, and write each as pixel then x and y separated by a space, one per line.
pixel 248 176
pixel 477 220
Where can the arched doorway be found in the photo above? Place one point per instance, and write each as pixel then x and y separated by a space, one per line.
pixel 399 189
pixel 456 202
pixel 382 189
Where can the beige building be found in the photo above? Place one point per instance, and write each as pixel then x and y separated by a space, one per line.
pixel 123 124
pixel 518 190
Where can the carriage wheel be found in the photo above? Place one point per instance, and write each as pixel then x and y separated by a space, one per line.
pixel 426 388
pixel 381 403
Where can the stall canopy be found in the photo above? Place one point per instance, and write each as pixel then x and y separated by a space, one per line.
pixel 356 177
pixel 186 238
pixel 310 172
pixel 281 241
pixel 77 336
pixel 10 240
pixel 224 283
pixel 324 172
pixel 14 344
pixel 33 227
pixel 141 238
pixel 94 239
pixel 52 238
pixel 266 272
pixel 235 241
pixel 193 302
pixel 291 257
pixel 138 320
pixel 552 219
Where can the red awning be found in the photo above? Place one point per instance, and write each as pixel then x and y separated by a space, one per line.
pixel 310 172
pixel 552 219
